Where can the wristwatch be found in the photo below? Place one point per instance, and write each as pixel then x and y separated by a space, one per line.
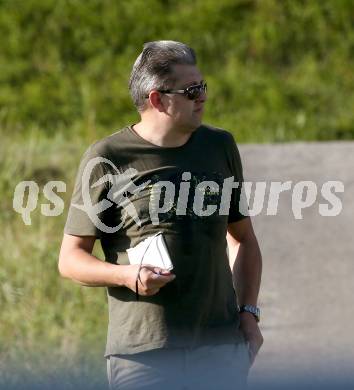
pixel 251 309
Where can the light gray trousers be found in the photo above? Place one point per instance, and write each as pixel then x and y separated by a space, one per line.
pixel 219 367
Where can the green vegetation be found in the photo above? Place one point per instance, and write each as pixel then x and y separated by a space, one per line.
pixel 48 326
pixel 276 70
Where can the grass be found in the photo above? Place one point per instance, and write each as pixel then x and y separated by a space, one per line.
pixel 49 326
pixel 277 71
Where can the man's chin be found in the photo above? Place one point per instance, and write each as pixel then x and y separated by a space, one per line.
pixel 192 126
pixel 192 129
pixel 196 123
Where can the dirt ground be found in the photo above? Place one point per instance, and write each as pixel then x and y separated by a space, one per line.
pixel 307 287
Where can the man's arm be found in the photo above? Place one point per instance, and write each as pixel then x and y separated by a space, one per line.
pixel 246 265
pixel 76 262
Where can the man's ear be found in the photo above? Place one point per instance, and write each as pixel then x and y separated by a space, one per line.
pixel 156 101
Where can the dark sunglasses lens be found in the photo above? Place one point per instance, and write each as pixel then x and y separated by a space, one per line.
pixel 195 91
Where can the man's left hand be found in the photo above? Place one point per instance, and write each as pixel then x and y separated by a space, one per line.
pixel 252 333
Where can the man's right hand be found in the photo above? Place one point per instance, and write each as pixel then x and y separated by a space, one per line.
pixel 150 281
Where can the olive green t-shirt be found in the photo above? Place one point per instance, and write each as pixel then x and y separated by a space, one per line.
pixel 199 306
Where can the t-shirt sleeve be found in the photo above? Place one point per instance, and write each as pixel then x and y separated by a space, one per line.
pixel 88 192
pixel 238 207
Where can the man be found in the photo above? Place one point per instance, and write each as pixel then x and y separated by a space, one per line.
pixel 179 329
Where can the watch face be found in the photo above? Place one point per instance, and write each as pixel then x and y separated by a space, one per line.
pixel 251 309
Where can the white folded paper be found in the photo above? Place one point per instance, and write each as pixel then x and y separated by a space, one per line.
pixel 153 251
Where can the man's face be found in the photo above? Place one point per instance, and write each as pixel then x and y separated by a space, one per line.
pixel 185 114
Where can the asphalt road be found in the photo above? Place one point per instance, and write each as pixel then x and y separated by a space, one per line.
pixel 307 287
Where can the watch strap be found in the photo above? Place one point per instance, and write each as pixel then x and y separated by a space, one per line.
pixel 251 309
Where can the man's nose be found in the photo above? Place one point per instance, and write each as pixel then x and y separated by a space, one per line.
pixel 203 97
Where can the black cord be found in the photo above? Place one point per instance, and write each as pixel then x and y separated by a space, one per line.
pixel 136 284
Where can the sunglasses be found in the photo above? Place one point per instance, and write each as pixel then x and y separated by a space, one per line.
pixel 192 93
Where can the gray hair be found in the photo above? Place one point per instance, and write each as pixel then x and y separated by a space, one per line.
pixel 153 68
